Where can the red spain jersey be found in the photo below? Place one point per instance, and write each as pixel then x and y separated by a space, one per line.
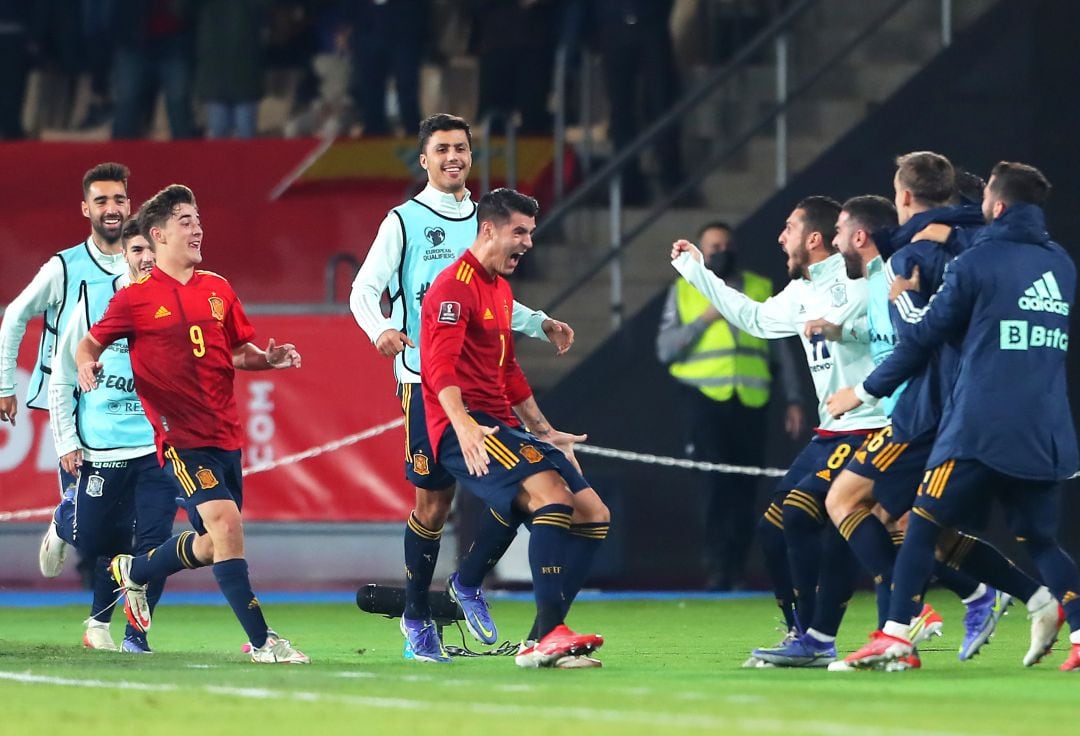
pixel 465 341
pixel 181 338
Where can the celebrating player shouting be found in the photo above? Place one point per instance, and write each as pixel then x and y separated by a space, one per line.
pixel 471 380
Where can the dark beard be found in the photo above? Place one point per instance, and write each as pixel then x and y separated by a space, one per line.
pixel 853 265
pixel 104 233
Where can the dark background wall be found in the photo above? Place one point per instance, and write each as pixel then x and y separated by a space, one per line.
pixel 1001 91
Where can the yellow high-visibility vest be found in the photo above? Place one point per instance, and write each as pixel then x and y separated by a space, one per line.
pixel 722 365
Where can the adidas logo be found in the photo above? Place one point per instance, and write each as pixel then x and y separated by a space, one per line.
pixel 488 314
pixel 1044 296
pixel 162 312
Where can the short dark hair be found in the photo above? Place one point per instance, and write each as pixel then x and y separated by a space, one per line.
pixel 442 121
pixel 499 204
pixel 820 217
pixel 130 230
pixel 1017 183
pixel 159 208
pixel 873 213
pixel 968 187
pixel 930 176
pixel 714 225
pixel 108 171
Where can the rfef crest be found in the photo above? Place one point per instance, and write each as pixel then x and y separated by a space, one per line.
pixel 217 307
pixel 531 454
pixel 95 486
pixel 839 295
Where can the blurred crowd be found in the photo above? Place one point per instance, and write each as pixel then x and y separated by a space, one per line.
pixel 353 66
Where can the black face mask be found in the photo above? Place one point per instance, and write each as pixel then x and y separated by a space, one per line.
pixel 722 263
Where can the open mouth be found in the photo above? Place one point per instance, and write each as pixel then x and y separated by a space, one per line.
pixel 112 221
pixel 515 258
pixel 452 170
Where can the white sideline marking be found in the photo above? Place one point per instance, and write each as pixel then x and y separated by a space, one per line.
pixel 657 718
pixel 355 674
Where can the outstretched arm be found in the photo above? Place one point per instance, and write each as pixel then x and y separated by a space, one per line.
pixel 769 319
pixel 87 357
pixel 249 357
pixel 529 413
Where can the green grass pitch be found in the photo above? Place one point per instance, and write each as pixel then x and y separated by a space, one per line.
pixel 670 667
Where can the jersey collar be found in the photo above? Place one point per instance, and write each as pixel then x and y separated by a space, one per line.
pixel 473 261
pixel 160 275
pixel 446 204
pixel 825 269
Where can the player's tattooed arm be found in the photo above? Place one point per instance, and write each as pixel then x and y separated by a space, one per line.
pixel 529 413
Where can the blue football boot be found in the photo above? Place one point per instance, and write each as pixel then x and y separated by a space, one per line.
pixel 135 644
pixel 423 640
pixel 801 651
pixel 981 619
pixel 477 616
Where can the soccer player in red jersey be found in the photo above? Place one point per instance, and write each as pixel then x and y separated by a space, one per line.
pixel 473 387
pixel 188 334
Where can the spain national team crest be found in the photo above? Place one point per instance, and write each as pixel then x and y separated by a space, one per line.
pixel 531 454
pixel 839 295
pixel 95 486
pixel 217 307
pixel 206 478
pixel 420 464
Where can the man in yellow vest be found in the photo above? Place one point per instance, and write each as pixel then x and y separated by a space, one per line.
pixel 726 376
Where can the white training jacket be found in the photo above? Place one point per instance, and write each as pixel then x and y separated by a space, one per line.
pixel 828 294
pixel 64 381
pixel 45 289
pixel 381 266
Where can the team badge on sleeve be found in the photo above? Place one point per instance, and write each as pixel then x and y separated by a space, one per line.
pixel 450 312
pixel 217 307
pixel 206 478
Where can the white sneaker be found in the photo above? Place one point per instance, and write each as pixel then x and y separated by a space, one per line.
pixel 278 651
pixel 52 553
pixel 97 636
pixel 136 606
pixel 841 666
pixel 1046 621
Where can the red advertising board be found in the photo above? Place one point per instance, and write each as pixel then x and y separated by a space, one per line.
pixel 343 389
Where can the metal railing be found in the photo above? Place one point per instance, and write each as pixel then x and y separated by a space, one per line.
pixel 488 153
pixel 775 38
pixel 330 273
